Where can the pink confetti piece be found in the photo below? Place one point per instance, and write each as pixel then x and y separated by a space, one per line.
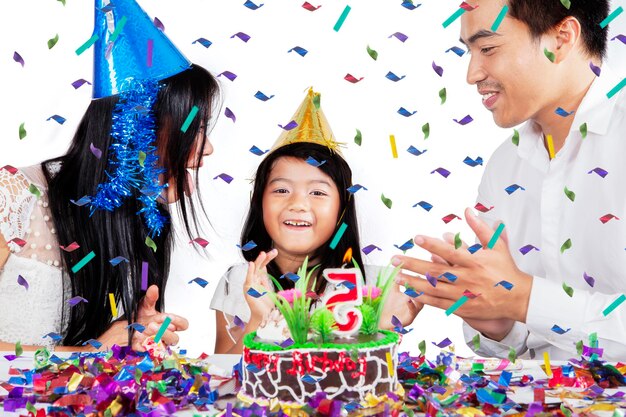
pixel 400 36
pixel 150 51
pixel 589 280
pixel 79 83
pixel 18 58
pixel 144 275
pixel 437 69
pixel 22 281
pixel 467 7
pixel 444 343
pixel 351 78
pixel 467 119
pixel 308 6
pixel 70 248
pixel 470 295
pixel 12 170
pixel 97 152
pixel 596 70
pixel 75 300
pixel 231 76
pixel 291 125
pixel 607 217
pixel 225 177
pixel 447 219
pixel 19 242
pixel 441 171
pixel 483 209
pixel 242 36
pixel 158 24
pixel 229 113
pixel 200 241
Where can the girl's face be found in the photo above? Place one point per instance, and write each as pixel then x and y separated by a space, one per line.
pixel 300 207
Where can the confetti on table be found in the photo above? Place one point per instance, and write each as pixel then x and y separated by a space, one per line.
pixel 87 44
pixel 408 4
pixel 399 36
pixel 76 300
pixel 200 281
pixel 615 89
pixel 525 249
pixel 60 120
pixel 443 95
pixel 145 268
pixel 370 248
pixel 414 151
pixel 425 205
pixel 204 42
pixel 310 7
pixel 550 55
pixel 563 113
pixel 618 301
pixel 79 83
pixel 409 244
pixel 291 125
pixel 250 5
pixel 498 21
pixel 356 187
pixel 150 243
pixel 341 19
pixel 441 171
pixel 372 53
pixel 447 219
pixel 467 119
pixel 299 50
pixel 22 131
pixel 496 236
pixel 70 248
pixel 437 69
pixel 566 245
pixel 162 329
pixel 612 16
pixel 474 248
pixel 589 280
pixel 248 246
pixel 358 138
pixel 607 217
pixel 81 201
pixel 118 260
pixel 53 41
pixel 22 281
pixel 568 290
pixel 113 305
pixel 254 293
pixel 570 194
pixel 404 112
pixel 351 78
pixel 393 77
pixel 512 188
pixel 95 151
pixel 453 17
pixel 473 162
pixel 386 201
pixel 600 171
pixel 192 115
pixel 230 75
pixel 426 130
pixel 458 51
pixel 505 284
pixel 546 362
pixel 83 262
pixel 18 58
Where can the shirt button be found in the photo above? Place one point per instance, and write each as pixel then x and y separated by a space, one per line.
pixel 56 263
pixel 33 246
pixel 48 247
pixel 46 218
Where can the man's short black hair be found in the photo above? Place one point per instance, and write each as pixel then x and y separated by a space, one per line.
pixel 542 15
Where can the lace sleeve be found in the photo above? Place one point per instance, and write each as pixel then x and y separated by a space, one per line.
pixel 16 206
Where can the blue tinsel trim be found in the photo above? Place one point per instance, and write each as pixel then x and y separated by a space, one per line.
pixel 133 130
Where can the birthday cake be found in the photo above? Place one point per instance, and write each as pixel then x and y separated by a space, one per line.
pixel 334 353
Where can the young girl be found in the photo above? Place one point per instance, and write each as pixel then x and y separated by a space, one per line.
pixel 296 209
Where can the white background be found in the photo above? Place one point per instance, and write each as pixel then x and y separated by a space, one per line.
pixel 42 88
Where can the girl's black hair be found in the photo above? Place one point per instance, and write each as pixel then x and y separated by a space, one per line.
pixel 341 174
pixel 122 232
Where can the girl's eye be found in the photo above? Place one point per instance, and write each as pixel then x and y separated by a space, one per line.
pixel 318 193
pixel 281 191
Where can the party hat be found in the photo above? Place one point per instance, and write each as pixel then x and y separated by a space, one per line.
pixel 130 47
pixel 312 125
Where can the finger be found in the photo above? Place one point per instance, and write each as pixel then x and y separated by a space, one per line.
pixel 259 261
pixel 483 231
pixel 249 275
pixel 422 267
pixel 443 289
pixel 147 306
pixel 444 249
pixel 269 257
pixel 439 260
pixel 170 338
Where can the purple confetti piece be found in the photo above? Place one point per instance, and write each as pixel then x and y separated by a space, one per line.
pixel 601 172
pixel 239 323
pixel 79 83
pixel 204 42
pixel 356 187
pixel 562 112
pixel 314 162
pixel 589 280
pixel 255 150
pixel 262 96
pixel 400 36
pixel 244 37
pixel 431 280
pixel 225 177
pixel 60 120
pixel 200 281
pixel 404 112
pixel 291 125
pixel 137 327
pixel 467 119
pixel 158 24
pixel 370 248
pixel 82 201
pixel 75 300
pixel 118 260
pixel 438 69
pixel 444 343
pixel 21 281
pixel 287 343
pixel 396 322
pixel 558 330
pixel 441 171
pixel 231 76
pixel 620 37
pixel 299 50
pixel 458 51
pixel 18 58
pixel 97 152
pixel 596 70
pixel 525 249
pixel 144 275
pixel 229 113
pixel 10 358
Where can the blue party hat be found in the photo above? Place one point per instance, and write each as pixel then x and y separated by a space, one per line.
pixel 129 47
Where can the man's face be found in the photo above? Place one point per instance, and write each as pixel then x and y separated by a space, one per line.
pixel 508 66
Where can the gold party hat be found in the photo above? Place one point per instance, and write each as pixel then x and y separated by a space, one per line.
pixel 312 125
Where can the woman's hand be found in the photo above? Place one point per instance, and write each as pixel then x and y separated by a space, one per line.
pixel 4 251
pixel 257 278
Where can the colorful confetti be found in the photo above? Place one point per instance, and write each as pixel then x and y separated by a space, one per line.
pixel 200 281
pixel 437 69
pixel 467 119
pixel 473 162
pixel 358 138
pixel 70 248
pixel 118 260
pixel 525 249
pixel 386 201
pixel 505 284
pixel 447 219
pixel 250 5
pixel 409 244
pixel 308 6
pixel 615 89
pixel 87 44
pixel 563 113
pixel 291 125
pixel 611 17
pixel 500 18
pixel 162 329
pixel 95 151
pixel 568 290
pixel 399 36
pixel 314 162
pixel 566 245
pixel 248 246
pixel 299 50
pixel 607 217
pixel 60 120
pixel 370 248
pixel 204 42
pixel 79 83
pixel 192 115
pixel 589 280
pixel 53 41
pixel 22 131
pixel 441 171
pixel 18 58
pixel 496 236
pixel 22 281
pixel 351 78
pixel 458 51
pixel 443 95
pixel 356 187
pixel 601 172
pixel 341 19
pixel 425 205
pixel 372 53
pixel 150 243
pixel 76 300
pixel 550 55
pixel 229 75
pixel 453 17
pixel 426 130
pixel 513 187
pixel 618 301
pixel 83 262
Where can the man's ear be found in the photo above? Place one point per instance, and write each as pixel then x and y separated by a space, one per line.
pixel 567 37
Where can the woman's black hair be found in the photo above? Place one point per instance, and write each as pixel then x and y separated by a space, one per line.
pixel 122 232
pixel 341 174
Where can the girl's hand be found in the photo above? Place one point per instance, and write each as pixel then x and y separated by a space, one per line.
pixel 400 305
pixel 4 251
pixel 257 278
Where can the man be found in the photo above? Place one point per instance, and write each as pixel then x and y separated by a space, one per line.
pixel 557 274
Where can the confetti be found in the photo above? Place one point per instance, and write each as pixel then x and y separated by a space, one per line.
pixel 566 245
pixel 254 293
pixel 457 304
pixel 250 5
pixel 255 150
pixel 457 241
pixel 512 355
pixel 150 243
pixel 620 37
pixel 474 248
pixel 204 42
pixel 192 115
pixel 358 138
pixel 34 190
pixel 589 280
pixel 341 19
pixel 79 83
pixel 200 241
pixel 496 236
pixel 372 53
pixel 19 242
pixel 287 343
pixel 262 96
pixel 356 187
pixel 314 162
pixel 458 51
pixel 309 379
pixel 467 119
pixel 95 151
pixel 412 293
pixel 558 330
pixel 291 276
pixel 512 188
pixel 480 207
pixel 18 58
pixel 238 322
pixel 351 78
pixel 310 7
pixel 408 4
pixel 162 329
pixel 291 125
pixel 83 262
pixel 242 36
pixel 506 284
pixel 601 172
pixel 566 4
pixel 231 76
pixel 406 245
pixel 338 235
pixel 248 246
pixel 453 17
pixel 113 305
pixel 118 260
pixel 137 327
pixel 426 130
pixel 392 143
pixel 619 300
pixel 476 342
pixel 370 248
pixel 54 336
pixel 583 130
pixel 229 113
pixel 60 120
pixel 87 44
pixel 200 281
pixel 414 151
pixel 53 41
pixel 393 77
pixel 386 201
pixel 425 205
pixel 22 281
pixel 525 249
pixel 449 276
pixel 550 55
pixel 158 24
pixel 437 69
pixel 612 16
pixel 70 248
pixel 82 201
pixel 563 113
pixel 570 194
pixel 141 157
pixel 498 21
pixel 442 95
pixel 441 171
pixel 607 217
pixel 443 344
pixel 22 131
pixel 447 219
pixel 399 35
pixel 568 290
pixel 299 50
pixel 546 362
pixel 595 69
pixel 75 300
pixel 615 89
pixel 11 169
pixel 473 162
pixel 145 268
pixel 515 137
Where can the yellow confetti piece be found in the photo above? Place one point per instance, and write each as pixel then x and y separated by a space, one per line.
pixel 394 149
pixel 546 361
pixel 115 408
pixel 469 412
pixel 75 380
pixel 113 306
pixel 390 364
pixel 550 146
